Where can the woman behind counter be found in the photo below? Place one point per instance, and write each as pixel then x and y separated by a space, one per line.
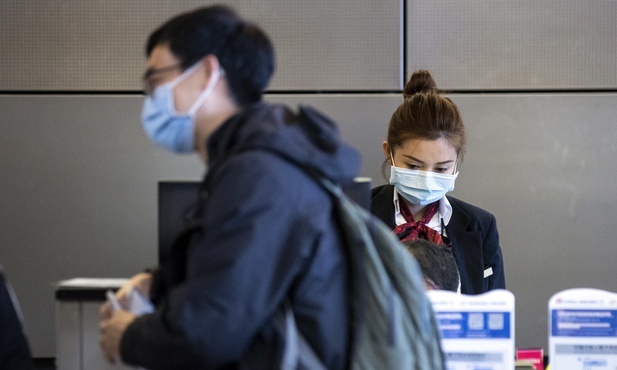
pixel 425 146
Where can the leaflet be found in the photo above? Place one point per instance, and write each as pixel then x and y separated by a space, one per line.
pixel 137 303
pixel 583 329
pixel 477 331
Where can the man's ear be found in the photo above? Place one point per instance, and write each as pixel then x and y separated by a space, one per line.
pixel 211 64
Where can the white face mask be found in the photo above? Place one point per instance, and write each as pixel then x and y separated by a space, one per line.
pixel 421 187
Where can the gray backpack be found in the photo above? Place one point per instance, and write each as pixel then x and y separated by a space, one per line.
pixel 393 320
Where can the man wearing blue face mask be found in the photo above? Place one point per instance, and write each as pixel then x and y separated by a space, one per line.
pixel 263 231
pixel 424 147
pixel 163 124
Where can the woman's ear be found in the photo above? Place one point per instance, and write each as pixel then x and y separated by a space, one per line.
pixel 387 152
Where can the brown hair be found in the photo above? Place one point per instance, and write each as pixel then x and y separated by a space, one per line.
pixel 426 114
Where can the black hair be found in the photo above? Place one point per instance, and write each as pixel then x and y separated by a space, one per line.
pixel 436 262
pixel 242 48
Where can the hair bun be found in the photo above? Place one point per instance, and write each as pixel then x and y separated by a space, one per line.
pixel 421 81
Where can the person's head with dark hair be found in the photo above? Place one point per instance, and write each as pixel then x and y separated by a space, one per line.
pixel 243 50
pixel 437 264
pixel 203 67
pixel 425 114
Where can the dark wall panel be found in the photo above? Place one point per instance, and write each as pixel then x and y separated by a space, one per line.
pixel 99 45
pixel 545 166
pixel 505 45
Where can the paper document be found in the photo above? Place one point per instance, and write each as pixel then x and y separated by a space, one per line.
pixel 137 303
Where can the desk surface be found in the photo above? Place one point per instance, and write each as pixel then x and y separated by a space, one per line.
pixel 86 289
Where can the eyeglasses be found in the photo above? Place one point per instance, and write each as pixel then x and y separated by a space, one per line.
pixel 152 75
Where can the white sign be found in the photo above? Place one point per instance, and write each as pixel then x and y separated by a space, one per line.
pixel 583 330
pixel 477 330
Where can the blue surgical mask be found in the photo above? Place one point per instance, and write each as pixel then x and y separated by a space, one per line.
pixel 421 187
pixel 166 127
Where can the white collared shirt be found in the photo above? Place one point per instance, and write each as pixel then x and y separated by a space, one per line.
pixel 444 211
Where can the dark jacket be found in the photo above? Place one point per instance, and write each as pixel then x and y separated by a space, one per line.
pixel 14 349
pixel 263 230
pixel 474 237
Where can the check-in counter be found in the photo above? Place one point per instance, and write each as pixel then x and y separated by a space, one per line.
pixel 77 323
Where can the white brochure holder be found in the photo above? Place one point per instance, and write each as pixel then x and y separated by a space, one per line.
pixel 583 330
pixel 477 330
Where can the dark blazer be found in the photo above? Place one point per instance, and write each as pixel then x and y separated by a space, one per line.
pixel 474 237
